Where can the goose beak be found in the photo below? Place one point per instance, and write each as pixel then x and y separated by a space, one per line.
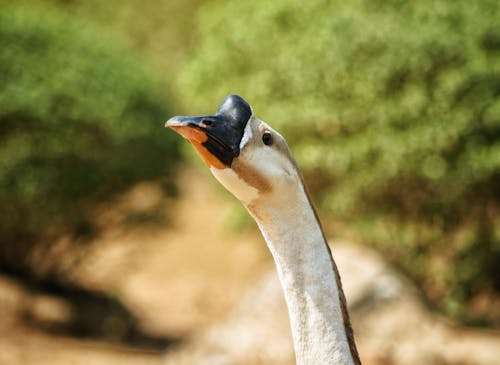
pixel 197 130
pixel 190 128
pixel 216 137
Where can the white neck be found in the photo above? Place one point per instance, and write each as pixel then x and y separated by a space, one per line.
pixel 306 272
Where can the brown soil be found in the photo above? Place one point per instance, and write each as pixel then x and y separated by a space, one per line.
pixel 175 279
pixel 181 276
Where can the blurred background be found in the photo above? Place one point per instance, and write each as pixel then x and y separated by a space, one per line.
pixel 391 108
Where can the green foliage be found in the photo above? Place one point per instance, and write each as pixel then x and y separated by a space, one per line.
pixel 80 120
pixel 159 30
pixel 392 109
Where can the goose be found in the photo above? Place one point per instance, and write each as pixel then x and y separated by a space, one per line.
pixel 253 162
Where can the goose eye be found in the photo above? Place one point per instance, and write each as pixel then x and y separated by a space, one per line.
pixel 267 139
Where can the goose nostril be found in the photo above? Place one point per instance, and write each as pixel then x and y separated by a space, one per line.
pixel 206 123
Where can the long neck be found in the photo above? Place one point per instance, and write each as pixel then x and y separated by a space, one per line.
pixel 320 325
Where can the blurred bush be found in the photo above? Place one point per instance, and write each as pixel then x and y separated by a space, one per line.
pixel 392 109
pixel 80 121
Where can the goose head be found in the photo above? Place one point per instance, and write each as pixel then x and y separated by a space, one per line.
pixel 245 154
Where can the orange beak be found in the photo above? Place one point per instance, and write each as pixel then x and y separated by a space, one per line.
pixel 216 137
pixel 196 137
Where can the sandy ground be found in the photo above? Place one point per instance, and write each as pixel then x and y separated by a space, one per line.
pixel 185 279
pixel 176 279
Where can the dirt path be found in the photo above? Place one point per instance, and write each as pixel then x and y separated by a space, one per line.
pixel 189 279
pixel 176 278
pixel 181 277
